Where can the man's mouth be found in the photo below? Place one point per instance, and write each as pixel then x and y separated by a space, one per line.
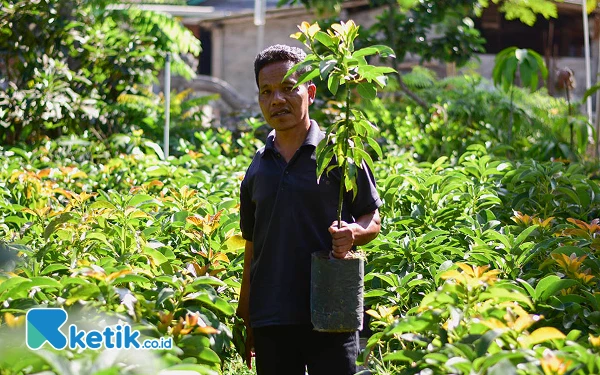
pixel 280 113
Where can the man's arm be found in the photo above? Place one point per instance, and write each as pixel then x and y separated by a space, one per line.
pixel 361 232
pixel 243 310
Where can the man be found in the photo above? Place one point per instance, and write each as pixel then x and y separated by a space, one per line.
pixel 285 216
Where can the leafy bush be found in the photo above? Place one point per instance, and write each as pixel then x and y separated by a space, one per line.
pixel 154 243
pixel 486 265
pixel 69 65
pixel 469 110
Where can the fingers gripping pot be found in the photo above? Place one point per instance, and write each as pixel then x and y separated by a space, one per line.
pixel 336 296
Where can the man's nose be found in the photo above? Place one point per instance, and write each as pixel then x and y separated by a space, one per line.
pixel 278 97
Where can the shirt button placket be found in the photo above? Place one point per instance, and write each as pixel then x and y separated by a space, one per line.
pixel 282 183
pixel 285 173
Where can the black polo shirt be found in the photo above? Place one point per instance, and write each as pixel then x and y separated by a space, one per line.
pixel 286 215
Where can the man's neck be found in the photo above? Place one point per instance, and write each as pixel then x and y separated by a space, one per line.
pixel 288 141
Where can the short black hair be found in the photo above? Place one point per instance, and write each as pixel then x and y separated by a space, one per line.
pixel 278 53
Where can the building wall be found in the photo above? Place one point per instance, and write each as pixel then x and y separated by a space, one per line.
pixel 576 64
pixel 237 47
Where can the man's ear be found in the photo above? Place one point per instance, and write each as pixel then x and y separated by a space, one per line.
pixel 312 91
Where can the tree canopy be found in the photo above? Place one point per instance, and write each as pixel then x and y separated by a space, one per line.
pixel 76 65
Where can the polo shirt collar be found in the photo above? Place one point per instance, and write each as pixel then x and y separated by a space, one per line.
pixel 313 137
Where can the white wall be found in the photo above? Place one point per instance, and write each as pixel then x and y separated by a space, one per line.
pixel 238 49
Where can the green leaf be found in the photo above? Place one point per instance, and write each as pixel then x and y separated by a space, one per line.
pixel 409 324
pixel 325 39
pixel 508 75
pixel 366 157
pixel 66 281
pixel 326 66
pixel 173 281
pixel 367 90
pixel 333 83
pixel 528 76
pixel 217 303
pixel 41 282
pixel 308 76
pixel 405 356
pixel 527 287
pixel 407 5
pixel 432 234
pixel 11 283
pixel 524 234
pixel 308 61
pixel 384 51
pixel 207 355
pixel 373 293
pixel 156 256
pixel 591 91
pixel 386 278
pixel 99 237
pixel 540 64
pixel 370 72
pixel 375 146
pixel 569 193
pixel 22 153
pixel 62 218
pixel 142 199
pixel 158 171
pixel 45 281
pixel 485 362
pixel 53 268
pixel 551 285
pixel 486 340
pixel 500 295
pixel 207 280
pixel 568 250
pixel 163 295
pixel 492 234
pixel 324 158
pixel 83 292
pixel 103 204
pixel 129 278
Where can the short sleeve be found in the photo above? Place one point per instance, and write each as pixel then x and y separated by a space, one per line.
pixel 247 210
pixel 367 199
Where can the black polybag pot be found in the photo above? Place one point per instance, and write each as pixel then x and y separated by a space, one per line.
pixel 336 295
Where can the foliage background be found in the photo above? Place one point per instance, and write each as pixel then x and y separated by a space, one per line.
pixel 73 66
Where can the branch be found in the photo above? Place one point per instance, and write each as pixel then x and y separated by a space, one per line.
pixel 411 94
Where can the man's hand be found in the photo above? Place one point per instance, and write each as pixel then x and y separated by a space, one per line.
pixel 249 346
pixel 359 233
pixel 242 312
pixel 342 239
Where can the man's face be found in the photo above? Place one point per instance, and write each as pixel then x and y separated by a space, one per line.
pixel 283 106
